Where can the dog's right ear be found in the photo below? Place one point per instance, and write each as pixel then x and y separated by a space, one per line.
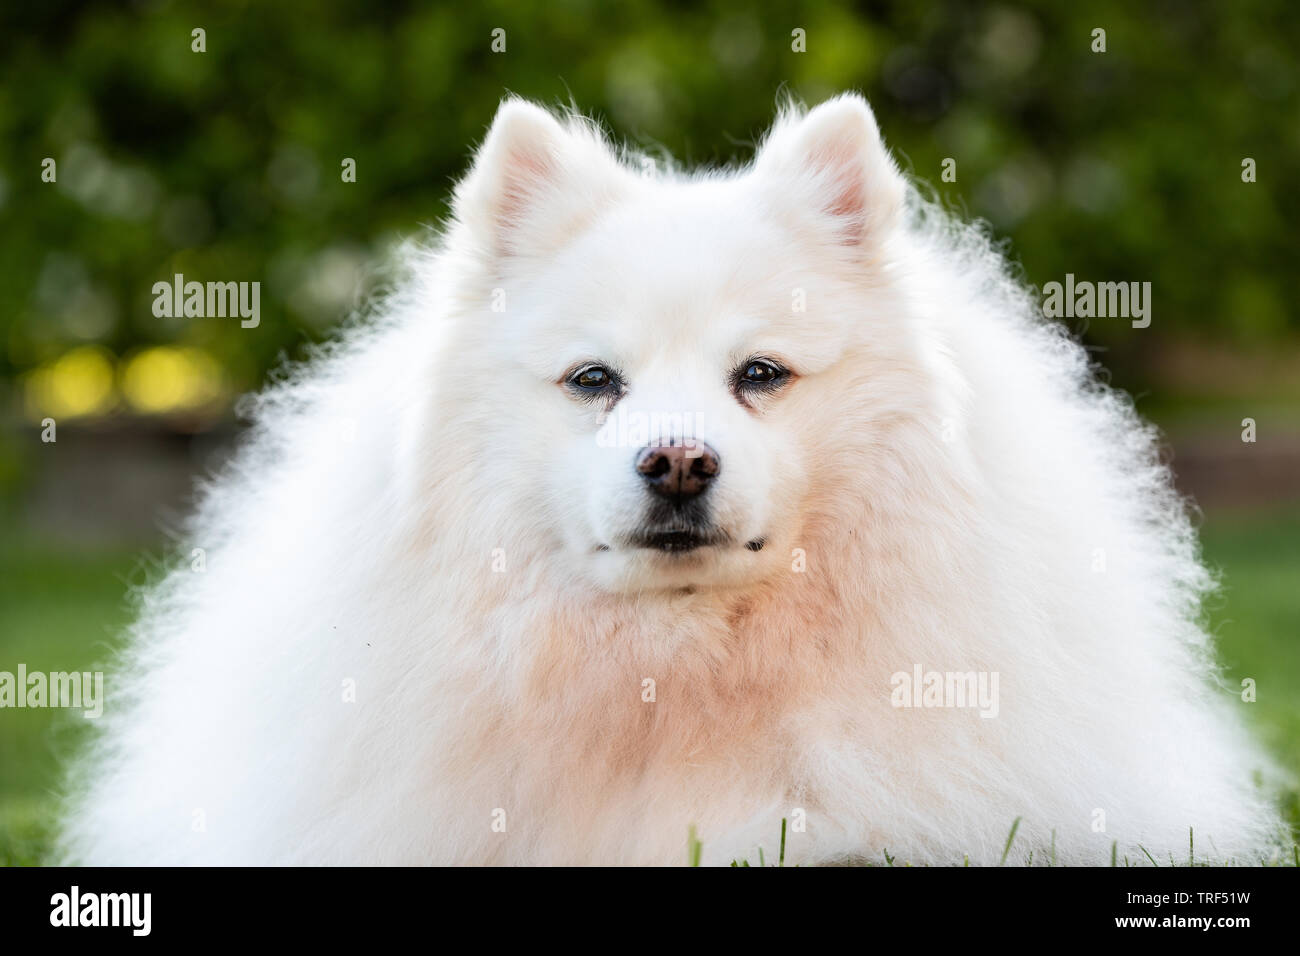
pixel 536 182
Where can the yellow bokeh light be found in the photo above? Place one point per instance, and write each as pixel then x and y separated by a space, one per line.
pixel 77 384
pixel 168 378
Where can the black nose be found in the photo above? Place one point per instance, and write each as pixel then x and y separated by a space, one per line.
pixel 678 472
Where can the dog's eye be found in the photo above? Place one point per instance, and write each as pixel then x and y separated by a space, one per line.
pixel 760 372
pixel 592 378
pixel 756 378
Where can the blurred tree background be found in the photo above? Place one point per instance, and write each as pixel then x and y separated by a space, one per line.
pixel 1123 165
pixel 225 165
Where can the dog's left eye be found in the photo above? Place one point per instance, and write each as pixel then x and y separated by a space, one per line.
pixel 760 372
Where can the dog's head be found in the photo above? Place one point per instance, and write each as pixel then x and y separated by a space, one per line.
pixel 685 359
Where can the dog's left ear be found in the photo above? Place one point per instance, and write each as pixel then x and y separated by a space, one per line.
pixel 537 181
pixel 830 168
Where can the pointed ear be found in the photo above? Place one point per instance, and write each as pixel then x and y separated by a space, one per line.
pixel 832 167
pixel 536 182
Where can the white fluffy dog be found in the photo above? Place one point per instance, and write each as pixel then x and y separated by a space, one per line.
pixel 657 501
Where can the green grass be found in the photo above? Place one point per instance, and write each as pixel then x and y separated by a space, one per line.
pixel 1256 618
pixel 58 611
pixel 1290 858
pixel 61 611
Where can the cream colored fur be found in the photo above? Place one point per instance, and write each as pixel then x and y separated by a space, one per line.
pixel 933 488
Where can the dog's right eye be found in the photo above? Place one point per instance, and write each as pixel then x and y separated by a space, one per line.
pixel 592 379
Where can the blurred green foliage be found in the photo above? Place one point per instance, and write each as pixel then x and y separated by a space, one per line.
pixel 225 165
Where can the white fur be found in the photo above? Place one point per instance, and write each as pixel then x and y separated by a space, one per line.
pixel 944 461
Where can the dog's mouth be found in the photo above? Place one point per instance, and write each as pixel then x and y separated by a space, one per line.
pixel 677 541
